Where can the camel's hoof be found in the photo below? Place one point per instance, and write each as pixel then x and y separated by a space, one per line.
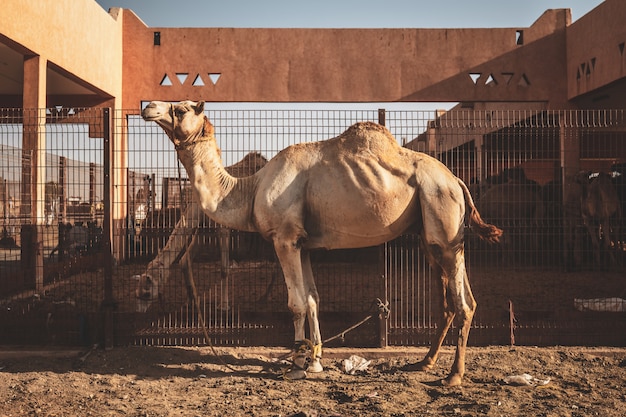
pixel 419 366
pixel 295 374
pixel 315 367
pixel 452 381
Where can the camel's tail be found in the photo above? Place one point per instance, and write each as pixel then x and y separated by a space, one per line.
pixel 486 231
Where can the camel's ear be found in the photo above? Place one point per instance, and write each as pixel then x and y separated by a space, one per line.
pixel 199 108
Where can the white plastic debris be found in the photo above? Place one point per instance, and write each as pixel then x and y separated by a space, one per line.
pixel 525 379
pixel 614 305
pixel 355 364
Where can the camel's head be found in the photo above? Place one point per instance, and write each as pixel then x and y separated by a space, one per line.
pixel 583 178
pixel 183 122
pixel 147 288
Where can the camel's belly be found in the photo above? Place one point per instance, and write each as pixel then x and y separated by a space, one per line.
pixel 354 217
pixel 345 242
pixel 355 237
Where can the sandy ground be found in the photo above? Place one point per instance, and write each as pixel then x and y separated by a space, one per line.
pixel 191 381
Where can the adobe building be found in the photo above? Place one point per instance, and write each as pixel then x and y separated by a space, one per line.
pixel 72 53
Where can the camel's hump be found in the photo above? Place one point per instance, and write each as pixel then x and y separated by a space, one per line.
pixel 367 134
pixel 367 128
pixel 362 138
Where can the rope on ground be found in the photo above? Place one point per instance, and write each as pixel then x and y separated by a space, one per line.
pixel 383 308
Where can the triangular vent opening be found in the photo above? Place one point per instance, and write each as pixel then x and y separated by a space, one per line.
pixel 523 81
pixel 182 77
pixel 198 82
pixel 166 81
pixel 214 77
pixel 475 76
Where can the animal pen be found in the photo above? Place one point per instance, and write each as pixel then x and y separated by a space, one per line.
pixel 67 261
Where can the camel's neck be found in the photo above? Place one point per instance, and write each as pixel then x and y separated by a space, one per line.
pixel 224 198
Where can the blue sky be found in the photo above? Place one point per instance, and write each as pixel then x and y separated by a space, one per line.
pixel 346 13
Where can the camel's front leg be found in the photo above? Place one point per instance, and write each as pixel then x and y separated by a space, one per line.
pixel 313 301
pixel 288 252
pixel 224 234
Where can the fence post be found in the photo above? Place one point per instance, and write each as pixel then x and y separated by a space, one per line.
pixel 63 188
pixel 383 304
pixel 383 315
pixel 108 303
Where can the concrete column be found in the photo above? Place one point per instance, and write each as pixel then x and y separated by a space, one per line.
pixel 33 168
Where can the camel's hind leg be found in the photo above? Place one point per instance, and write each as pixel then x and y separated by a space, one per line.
pixel 465 306
pixel 444 320
pixel 457 301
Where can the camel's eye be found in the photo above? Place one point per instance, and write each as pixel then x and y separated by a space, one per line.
pixel 179 112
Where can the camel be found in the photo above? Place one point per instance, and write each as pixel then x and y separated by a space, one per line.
pixel 149 284
pixel 358 189
pixel 601 212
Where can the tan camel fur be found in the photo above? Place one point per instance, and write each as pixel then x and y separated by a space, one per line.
pixel 149 284
pixel 356 190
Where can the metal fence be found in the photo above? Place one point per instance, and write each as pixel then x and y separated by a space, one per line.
pixel 542 285
pixel 52 207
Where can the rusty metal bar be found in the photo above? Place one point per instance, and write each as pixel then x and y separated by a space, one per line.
pixel 108 303
pixel 382 117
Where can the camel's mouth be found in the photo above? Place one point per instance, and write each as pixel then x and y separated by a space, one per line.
pixel 151 117
pixel 152 112
pixel 144 296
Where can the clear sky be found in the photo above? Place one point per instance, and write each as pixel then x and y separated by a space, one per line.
pixel 346 13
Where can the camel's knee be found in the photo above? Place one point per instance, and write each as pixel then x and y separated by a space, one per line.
pixel 288 241
pixel 465 315
pixel 436 252
pixel 298 312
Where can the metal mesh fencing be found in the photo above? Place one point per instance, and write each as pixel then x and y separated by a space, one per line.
pixel 52 208
pixel 549 282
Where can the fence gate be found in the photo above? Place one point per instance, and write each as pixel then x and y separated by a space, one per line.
pixel 538 287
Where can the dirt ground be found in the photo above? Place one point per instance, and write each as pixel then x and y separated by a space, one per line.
pixel 177 381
